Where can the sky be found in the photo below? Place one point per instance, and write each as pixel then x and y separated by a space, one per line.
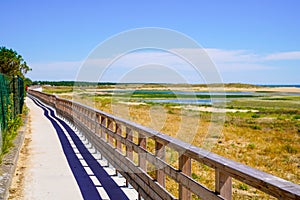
pixel 248 41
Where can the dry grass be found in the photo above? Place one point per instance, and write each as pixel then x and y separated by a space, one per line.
pixel 269 141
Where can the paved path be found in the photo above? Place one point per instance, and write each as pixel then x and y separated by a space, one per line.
pixel 62 166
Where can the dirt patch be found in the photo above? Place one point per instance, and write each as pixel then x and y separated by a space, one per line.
pixel 17 186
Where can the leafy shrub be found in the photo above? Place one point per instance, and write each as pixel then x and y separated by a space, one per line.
pixel 195 176
pixel 251 146
pixel 242 186
pixel 290 149
pixel 256 127
pixel 170 112
pixel 255 115
pixel 296 117
pixel 10 134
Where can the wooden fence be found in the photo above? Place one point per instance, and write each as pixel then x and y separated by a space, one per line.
pixel 124 145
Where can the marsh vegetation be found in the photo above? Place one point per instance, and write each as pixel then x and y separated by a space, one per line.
pixel 267 139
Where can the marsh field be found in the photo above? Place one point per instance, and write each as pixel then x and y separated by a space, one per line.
pixel 260 126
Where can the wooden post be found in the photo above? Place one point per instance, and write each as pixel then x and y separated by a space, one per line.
pixel 119 132
pixel 88 117
pixel 84 117
pixel 110 127
pixel 103 123
pixel 223 185
pixel 129 153
pixel 80 115
pixel 142 143
pixel 185 166
pixel 91 122
pixel 95 122
pixel 98 121
pixel 87 120
pixel 160 152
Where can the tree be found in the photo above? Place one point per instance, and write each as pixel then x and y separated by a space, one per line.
pixel 12 64
pixel 27 81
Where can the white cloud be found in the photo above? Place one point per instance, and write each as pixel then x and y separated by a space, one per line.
pixel 292 55
pixel 238 61
pixel 60 70
pixel 243 67
pixel 225 56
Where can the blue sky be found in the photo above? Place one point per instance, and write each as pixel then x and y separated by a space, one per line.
pixel 250 41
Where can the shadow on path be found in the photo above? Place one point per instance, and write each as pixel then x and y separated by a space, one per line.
pixel 87 187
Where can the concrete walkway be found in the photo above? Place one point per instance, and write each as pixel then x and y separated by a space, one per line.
pixel 62 166
pixel 49 175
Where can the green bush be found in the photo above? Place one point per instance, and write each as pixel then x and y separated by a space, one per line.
pixel 251 146
pixel 195 176
pixel 255 115
pixel 10 133
pixel 256 127
pixel 296 117
pixel 290 149
pixel 242 186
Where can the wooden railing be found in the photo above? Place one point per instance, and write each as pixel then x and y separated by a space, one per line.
pixel 118 140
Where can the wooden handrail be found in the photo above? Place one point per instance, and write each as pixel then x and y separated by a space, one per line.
pixel 104 131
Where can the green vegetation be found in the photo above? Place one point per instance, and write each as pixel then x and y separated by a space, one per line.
pixel 260 104
pixel 290 149
pixel 251 146
pixel 255 115
pixel 174 96
pixel 242 186
pixel 296 117
pixel 58 90
pixel 9 135
pixel 12 91
pixel 12 64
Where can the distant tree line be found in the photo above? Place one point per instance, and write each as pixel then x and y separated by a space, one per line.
pixel 71 83
pixel 86 84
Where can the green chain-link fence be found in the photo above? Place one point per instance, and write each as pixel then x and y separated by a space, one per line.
pixel 11 98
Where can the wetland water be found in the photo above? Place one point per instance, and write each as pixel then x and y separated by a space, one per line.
pixel 169 92
pixel 182 97
pixel 189 97
pixel 186 101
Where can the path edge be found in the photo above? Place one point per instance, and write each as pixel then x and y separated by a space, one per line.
pixel 10 160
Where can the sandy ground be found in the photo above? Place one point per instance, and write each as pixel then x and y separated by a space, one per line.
pixel 17 185
pixel 42 171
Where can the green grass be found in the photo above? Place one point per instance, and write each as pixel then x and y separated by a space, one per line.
pixel 187 96
pixel 263 104
pixel 57 90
